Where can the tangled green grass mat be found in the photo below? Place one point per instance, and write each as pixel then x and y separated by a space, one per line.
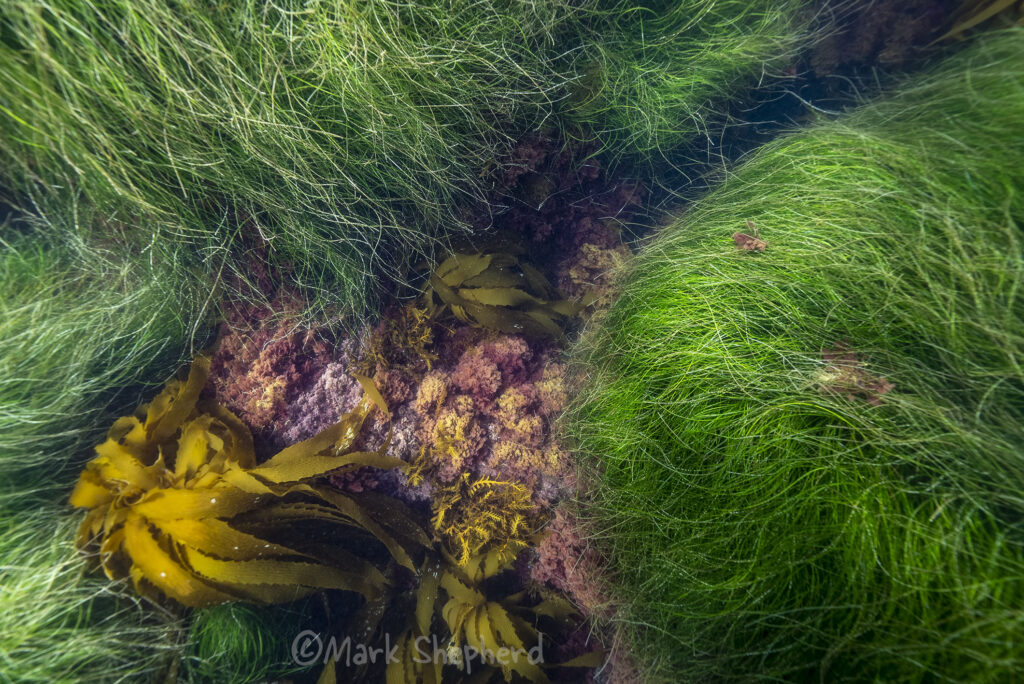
pixel 806 407
pixel 804 412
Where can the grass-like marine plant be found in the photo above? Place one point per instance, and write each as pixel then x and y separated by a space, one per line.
pixel 84 325
pixel 177 503
pixel 336 136
pixel 652 75
pixel 239 643
pixel 974 14
pixel 343 140
pixel 59 623
pixel 810 445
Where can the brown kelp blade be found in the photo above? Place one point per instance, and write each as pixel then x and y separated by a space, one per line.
pixel 499 292
pixel 973 13
pixel 177 504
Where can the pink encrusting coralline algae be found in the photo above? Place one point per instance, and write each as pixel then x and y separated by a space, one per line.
pixel 485 409
pixel 490 412
pixel 262 364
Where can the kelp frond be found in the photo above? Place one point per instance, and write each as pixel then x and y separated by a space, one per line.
pixel 490 625
pixel 499 292
pixel 973 14
pixel 178 504
pixel 482 620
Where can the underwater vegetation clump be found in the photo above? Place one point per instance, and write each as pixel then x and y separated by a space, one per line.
pixel 500 292
pixel 343 141
pixel 61 624
pixel 471 421
pixel 237 643
pixel 809 453
pixel 402 340
pixel 84 325
pixel 484 622
pixel 337 137
pixel 484 516
pixel 177 503
pixel 654 74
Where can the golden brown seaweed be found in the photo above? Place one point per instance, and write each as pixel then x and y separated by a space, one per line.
pixel 177 503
